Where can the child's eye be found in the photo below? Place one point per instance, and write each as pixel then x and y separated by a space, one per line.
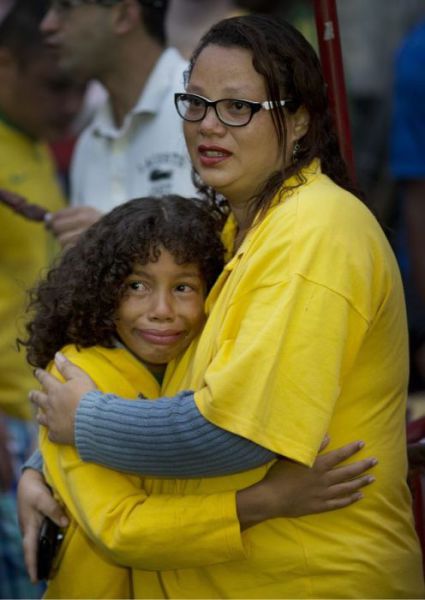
pixel 137 286
pixel 184 288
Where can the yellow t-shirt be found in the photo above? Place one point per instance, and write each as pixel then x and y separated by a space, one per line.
pixel 119 519
pixel 26 248
pixel 306 335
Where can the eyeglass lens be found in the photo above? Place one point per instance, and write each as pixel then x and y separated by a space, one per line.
pixel 229 111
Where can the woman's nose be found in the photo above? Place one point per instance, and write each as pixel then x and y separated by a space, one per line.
pixel 211 122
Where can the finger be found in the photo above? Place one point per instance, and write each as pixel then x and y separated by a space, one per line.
pixel 340 474
pixel 42 419
pixel 67 368
pixel 49 507
pixel 38 398
pixel 29 544
pixel 336 503
pixel 334 457
pixel 69 238
pixel 47 381
pixel 349 487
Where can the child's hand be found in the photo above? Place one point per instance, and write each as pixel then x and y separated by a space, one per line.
pixel 292 490
pixel 35 501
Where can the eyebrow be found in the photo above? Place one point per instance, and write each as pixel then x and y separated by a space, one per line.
pixel 230 92
pixel 183 273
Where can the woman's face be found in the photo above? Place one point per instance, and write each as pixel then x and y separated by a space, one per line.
pixel 235 161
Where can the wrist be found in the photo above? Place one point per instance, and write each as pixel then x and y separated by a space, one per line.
pixel 253 505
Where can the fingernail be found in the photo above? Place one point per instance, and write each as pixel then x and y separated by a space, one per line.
pixel 360 444
pixel 37 373
pixel 64 522
pixel 59 358
pixel 373 461
pixel 370 479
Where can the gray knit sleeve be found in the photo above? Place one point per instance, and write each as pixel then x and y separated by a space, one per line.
pixel 168 437
pixel 35 461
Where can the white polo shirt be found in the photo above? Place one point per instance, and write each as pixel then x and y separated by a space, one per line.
pixel 146 156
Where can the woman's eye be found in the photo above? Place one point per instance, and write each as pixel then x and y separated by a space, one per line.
pixel 193 102
pixel 238 106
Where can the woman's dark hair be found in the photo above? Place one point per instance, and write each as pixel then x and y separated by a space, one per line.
pixel 291 69
pixel 77 301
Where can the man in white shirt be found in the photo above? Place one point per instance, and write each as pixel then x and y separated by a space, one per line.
pixel 134 145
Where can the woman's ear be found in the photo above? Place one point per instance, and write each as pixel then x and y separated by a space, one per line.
pixel 301 121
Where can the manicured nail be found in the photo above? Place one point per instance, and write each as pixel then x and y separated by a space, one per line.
pixel 59 358
pixel 373 461
pixel 370 479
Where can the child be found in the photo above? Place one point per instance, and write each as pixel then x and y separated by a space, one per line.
pixel 127 299
pixel 122 303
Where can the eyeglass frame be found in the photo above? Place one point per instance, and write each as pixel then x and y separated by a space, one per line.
pixel 254 106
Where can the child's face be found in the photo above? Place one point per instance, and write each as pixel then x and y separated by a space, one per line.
pixel 162 310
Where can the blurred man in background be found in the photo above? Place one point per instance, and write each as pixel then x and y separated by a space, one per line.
pixel 134 145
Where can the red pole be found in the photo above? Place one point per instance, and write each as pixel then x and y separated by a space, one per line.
pixel 333 71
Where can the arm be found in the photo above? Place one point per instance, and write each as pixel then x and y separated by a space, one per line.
pixel 148 531
pixel 168 437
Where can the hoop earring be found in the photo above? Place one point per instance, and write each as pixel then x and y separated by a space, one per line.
pixel 295 151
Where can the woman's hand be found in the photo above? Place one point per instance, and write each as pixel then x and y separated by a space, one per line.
pixel 34 503
pixel 58 403
pixel 291 490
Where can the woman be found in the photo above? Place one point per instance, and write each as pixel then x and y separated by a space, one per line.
pixel 306 326
pixel 121 303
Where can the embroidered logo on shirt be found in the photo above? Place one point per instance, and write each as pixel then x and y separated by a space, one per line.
pixel 157 174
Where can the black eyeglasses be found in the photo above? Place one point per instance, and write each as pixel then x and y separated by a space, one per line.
pixel 230 111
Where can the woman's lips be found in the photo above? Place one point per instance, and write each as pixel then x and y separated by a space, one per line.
pixel 210 156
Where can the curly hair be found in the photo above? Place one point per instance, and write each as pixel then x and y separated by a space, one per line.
pixel 77 300
pixel 291 69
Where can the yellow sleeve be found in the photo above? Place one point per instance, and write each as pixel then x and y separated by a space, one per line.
pixel 139 530
pixel 278 370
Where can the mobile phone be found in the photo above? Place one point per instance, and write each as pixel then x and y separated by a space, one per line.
pixel 49 540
